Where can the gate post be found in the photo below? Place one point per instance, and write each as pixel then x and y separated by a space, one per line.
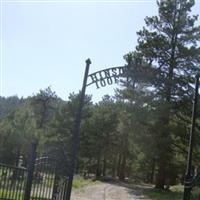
pixel 188 176
pixel 56 183
pixel 31 166
pixel 76 131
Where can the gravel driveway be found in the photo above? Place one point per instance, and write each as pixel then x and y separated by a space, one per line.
pixel 109 191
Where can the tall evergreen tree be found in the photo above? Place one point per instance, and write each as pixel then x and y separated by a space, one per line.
pixel 167 57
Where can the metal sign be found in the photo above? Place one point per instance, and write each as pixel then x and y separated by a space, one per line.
pixel 107 76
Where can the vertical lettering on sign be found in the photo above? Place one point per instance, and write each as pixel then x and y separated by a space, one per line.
pixel 116 78
pixel 109 81
pixel 102 81
pixel 107 73
pixel 101 77
pixel 114 73
pixel 95 80
pixel 121 71
pixel 108 77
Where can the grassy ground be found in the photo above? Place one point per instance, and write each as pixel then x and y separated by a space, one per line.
pixel 80 182
pixel 175 193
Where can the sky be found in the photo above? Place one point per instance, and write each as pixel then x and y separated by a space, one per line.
pixel 45 43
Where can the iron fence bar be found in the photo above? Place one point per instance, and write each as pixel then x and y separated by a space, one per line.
pixel 23 182
pixel 7 183
pixel 48 183
pixel 41 186
pixel 3 181
pixel 76 131
pixel 18 187
pixel 36 186
pixel 14 183
pixel 27 193
pixel 53 179
pixel 64 189
pixel 188 177
pixel 55 185
pixel 12 186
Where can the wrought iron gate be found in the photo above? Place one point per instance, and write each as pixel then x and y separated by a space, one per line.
pixel 43 180
pixel 12 182
pixel 47 183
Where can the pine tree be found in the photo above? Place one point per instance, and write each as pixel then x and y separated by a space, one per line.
pixel 166 60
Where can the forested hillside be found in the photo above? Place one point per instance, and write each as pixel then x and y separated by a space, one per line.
pixel 7 104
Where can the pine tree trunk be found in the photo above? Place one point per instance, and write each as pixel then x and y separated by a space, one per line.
pixel 98 169
pixel 122 168
pixel 104 166
pixel 153 171
pixel 114 168
pixel 119 165
pixel 160 180
pixel 164 154
pixel 165 119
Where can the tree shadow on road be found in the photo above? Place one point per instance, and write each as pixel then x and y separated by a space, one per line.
pixel 135 189
pixel 144 191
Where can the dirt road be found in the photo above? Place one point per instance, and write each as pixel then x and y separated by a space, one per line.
pixel 109 191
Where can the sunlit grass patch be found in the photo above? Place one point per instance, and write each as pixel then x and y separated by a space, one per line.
pixel 175 193
pixel 80 182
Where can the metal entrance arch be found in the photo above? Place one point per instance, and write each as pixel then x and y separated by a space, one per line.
pixel 100 78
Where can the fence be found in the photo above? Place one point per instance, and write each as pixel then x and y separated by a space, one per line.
pixel 41 181
pixel 12 182
pixel 47 182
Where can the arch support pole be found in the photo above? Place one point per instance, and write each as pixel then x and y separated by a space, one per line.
pixel 189 176
pixel 76 131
